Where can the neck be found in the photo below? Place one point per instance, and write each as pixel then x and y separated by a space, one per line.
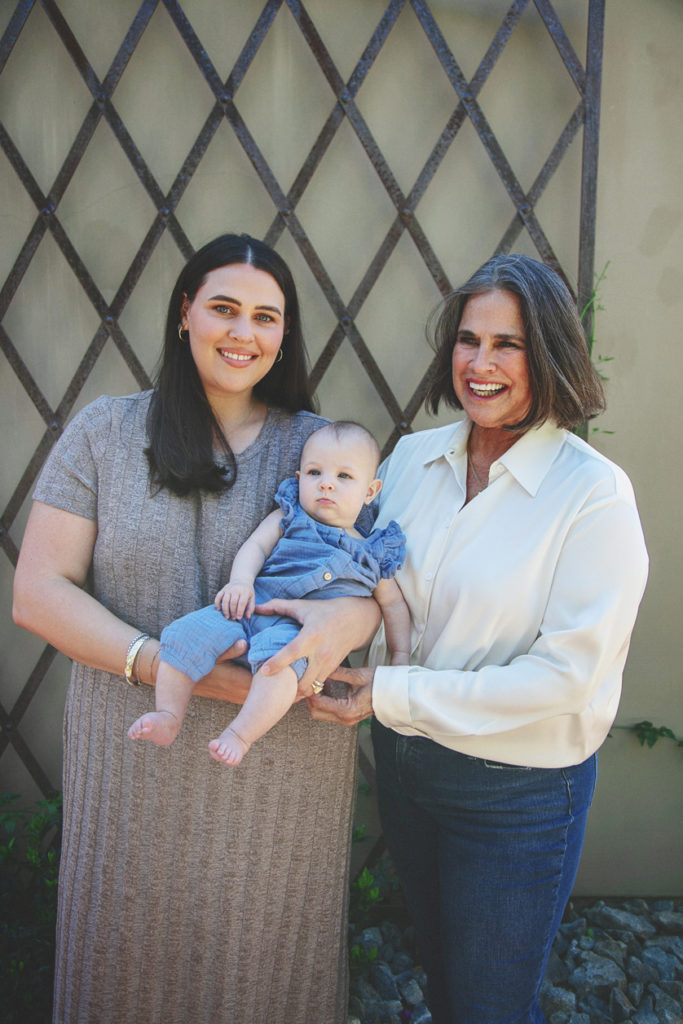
pixel 486 444
pixel 240 418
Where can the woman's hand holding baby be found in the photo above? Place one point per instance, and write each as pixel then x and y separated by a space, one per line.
pixel 330 629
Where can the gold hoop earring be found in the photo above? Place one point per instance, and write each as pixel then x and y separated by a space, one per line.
pixel 180 333
pixel 278 358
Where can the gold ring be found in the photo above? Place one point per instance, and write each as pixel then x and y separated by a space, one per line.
pixel 317 687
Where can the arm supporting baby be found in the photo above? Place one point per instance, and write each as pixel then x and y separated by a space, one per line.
pixel 236 598
pixel 396 616
pixel 357 704
pixel 50 600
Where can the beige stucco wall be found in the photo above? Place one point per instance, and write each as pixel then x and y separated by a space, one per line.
pixel 635 835
pixel 635 839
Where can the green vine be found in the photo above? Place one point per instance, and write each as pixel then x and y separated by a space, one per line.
pixel 594 306
pixel 648 734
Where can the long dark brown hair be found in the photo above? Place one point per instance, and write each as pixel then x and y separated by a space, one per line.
pixel 181 426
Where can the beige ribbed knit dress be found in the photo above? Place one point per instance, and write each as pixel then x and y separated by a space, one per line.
pixel 190 892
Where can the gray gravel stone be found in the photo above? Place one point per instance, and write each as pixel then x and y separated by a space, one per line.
pixel 597 973
pixel 620 1006
pixel 612 962
pixel 383 982
pixel 411 992
pixel 669 921
pixel 667 1009
pixel 645 1017
pixel 611 917
pixel 421 1015
pixel 612 949
pixel 557 1000
pixel 664 964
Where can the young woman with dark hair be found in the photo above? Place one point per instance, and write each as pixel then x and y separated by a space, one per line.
pixel 183 428
pixel 189 893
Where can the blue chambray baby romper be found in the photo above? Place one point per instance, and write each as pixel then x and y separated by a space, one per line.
pixel 311 560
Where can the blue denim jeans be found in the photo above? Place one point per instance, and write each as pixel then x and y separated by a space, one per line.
pixel 487 856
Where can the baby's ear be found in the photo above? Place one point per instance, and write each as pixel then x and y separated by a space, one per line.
pixel 373 490
pixel 297 474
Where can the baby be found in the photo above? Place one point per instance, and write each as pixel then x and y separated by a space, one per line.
pixel 309 547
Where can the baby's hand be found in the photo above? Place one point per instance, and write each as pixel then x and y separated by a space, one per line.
pixel 236 600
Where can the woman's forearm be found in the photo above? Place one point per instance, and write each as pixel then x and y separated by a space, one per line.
pixel 50 600
pixel 75 623
pixel 85 631
pixel 227 681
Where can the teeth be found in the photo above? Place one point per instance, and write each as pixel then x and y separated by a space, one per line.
pixel 235 355
pixel 486 389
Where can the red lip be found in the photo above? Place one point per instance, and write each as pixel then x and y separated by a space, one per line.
pixel 502 388
pixel 235 358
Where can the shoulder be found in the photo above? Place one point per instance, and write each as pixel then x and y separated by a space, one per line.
pixel 108 412
pixel 306 423
pixel 421 448
pixel 597 471
pixel 296 426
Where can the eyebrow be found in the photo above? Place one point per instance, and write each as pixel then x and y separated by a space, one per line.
pixel 236 302
pixel 501 335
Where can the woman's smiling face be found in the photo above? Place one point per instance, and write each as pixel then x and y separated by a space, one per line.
pixel 236 323
pixel 490 366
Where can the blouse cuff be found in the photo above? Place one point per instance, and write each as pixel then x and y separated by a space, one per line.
pixel 390 696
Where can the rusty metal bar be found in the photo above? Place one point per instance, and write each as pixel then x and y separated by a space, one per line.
pixel 329 129
pixel 545 174
pixel 13 30
pixel 458 116
pixel 486 134
pixel 562 43
pixel 589 163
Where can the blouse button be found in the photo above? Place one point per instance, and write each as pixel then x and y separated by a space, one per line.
pixel 327 576
pixel 429 575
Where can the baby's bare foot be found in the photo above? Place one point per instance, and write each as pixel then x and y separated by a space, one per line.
pixel 229 747
pixel 161 727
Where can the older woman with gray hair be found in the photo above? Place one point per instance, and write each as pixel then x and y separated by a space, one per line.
pixel 525 567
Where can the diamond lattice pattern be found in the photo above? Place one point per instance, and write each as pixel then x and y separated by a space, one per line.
pixel 385 149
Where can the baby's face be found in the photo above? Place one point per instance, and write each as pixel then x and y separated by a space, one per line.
pixel 336 478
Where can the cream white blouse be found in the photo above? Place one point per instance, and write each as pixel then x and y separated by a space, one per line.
pixel 522 601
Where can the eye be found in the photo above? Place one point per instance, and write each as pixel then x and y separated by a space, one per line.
pixel 510 343
pixel 466 339
pixel 345 476
pixel 312 472
pixel 265 318
pixel 223 309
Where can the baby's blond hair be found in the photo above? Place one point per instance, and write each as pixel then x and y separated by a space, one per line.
pixel 341 429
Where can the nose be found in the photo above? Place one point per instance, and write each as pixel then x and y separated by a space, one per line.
pixel 325 483
pixel 241 328
pixel 482 358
